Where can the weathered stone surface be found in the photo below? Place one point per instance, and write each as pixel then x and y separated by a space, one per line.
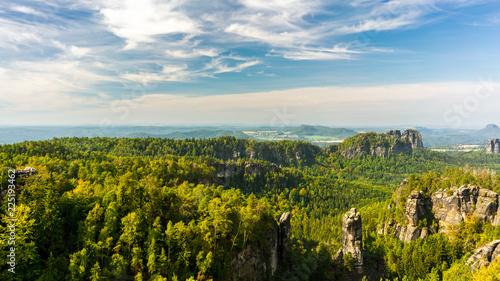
pixel 284 237
pixel 258 261
pixel 486 205
pixel 493 146
pixel 398 143
pixel 414 137
pixel 352 236
pixel 451 206
pixel 416 208
pixel 483 256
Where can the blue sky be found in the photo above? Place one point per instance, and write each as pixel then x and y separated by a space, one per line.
pixel 267 62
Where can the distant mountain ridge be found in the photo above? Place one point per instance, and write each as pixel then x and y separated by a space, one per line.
pixel 197 134
pixel 308 130
pixel 433 137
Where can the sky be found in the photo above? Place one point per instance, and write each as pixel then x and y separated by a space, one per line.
pixel 250 62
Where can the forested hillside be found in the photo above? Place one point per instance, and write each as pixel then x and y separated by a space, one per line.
pixel 162 209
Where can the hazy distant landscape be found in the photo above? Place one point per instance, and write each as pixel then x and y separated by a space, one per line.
pixel 445 139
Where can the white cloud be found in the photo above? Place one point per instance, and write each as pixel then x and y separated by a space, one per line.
pixel 305 53
pixel 71 51
pixel 381 24
pixel 13 34
pixel 141 21
pixel 169 73
pixel 194 53
pixel 79 52
pixel 26 10
pixel 221 65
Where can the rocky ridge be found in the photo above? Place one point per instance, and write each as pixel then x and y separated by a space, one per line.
pixel 382 145
pixel 447 208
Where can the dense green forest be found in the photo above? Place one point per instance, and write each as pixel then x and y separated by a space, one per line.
pixel 163 209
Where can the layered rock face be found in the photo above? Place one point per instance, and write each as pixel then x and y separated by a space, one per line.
pixel 414 137
pixel 392 142
pixel 493 146
pixel 450 207
pixel 352 236
pixel 417 208
pixel 260 262
pixel 485 255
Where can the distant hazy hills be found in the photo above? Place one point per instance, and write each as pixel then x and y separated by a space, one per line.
pixel 197 134
pixel 434 137
pixel 307 130
pixel 431 137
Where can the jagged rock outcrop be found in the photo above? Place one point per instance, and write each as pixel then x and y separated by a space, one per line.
pixel 417 208
pixel 259 261
pixel 414 137
pixel 493 146
pixel 285 247
pixel 447 207
pixel 382 145
pixel 451 206
pixel 352 236
pixel 484 255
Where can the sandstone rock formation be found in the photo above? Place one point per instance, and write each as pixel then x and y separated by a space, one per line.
pixel 414 137
pixel 392 142
pixel 449 208
pixel 485 255
pixel 417 208
pixel 493 146
pixel 352 236
pixel 452 206
pixel 259 261
pixel 284 237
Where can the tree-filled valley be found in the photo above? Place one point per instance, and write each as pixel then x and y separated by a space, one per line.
pixel 209 209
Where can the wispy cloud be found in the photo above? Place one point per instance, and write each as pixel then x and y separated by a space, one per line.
pixel 381 24
pixel 47 85
pixel 26 10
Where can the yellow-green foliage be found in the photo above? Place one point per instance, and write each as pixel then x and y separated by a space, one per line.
pixel 488 273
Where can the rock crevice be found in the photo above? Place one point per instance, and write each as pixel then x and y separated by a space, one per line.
pixel 493 146
pixel 447 207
